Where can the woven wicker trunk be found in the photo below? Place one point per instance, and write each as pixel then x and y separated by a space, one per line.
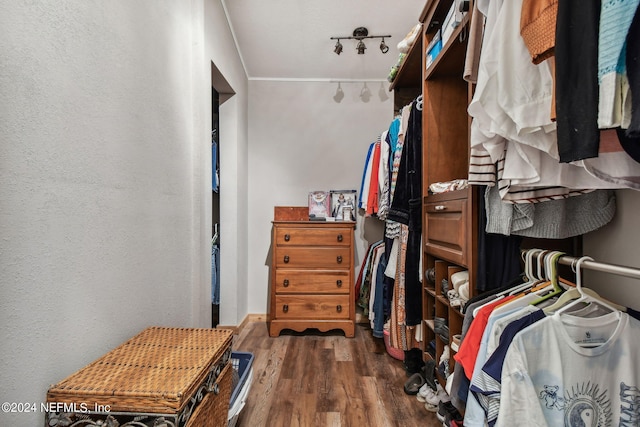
pixel 162 377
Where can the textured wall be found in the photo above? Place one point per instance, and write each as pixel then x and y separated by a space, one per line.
pixel 104 157
pixel 616 243
pixel 220 49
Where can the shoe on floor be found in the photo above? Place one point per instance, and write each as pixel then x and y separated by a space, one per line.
pixel 424 392
pixel 429 373
pixel 413 384
pixel 431 408
pixel 413 362
pixel 447 412
pixel 452 418
pixel 439 396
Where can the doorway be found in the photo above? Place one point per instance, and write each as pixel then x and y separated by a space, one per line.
pixel 221 91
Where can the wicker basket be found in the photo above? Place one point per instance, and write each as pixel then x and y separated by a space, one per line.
pixel 161 372
pixel 396 353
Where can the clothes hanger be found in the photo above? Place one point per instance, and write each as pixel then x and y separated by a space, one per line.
pixel 573 294
pixel 214 239
pixel 529 273
pixel 585 297
pixel 532 279
pixel 551 264
pixel 544 285
pixel 536 278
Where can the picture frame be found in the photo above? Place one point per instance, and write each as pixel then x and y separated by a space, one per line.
pixel 319 204
pixel 343 205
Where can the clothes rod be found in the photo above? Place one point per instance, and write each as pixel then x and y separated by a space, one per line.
pixel 620 270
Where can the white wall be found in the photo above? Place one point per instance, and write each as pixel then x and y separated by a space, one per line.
pixel 105 206
pixel 220 50
pixel 301 140
pixel 617 243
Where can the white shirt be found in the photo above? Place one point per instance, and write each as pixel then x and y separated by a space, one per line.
pixel 550 378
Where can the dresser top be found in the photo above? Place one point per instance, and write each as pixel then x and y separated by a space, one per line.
pixel 334 224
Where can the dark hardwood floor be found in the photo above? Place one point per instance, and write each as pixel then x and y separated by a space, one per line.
pixel 324 379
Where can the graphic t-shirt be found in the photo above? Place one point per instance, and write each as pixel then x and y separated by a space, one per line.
pixel 571 371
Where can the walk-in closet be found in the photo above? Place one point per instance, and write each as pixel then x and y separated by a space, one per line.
pixel 294 213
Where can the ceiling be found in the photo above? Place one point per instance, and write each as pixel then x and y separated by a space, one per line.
pixel 290 39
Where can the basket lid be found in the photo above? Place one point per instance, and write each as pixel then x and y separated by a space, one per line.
pixel 155 371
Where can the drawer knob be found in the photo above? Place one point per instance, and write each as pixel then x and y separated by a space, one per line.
pixel 287 237
pixel 285 308
pixel 339 259
pixel 339 237
pixel 286 259
pixel 440 207
pixel 339 308
pixel 339 283
pixel 286 283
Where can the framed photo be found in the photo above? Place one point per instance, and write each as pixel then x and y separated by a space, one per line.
pixel 319 204
pixel 343 205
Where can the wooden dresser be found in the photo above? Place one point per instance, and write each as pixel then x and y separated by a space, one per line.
pixel 312 275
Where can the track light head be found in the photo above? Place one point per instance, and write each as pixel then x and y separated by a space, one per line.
pixel 338 48
pixel 383 47
pixel 361 47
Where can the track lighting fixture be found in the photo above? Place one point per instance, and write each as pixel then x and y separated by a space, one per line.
pixel 383 46
pixel 359 34
pixel 338 48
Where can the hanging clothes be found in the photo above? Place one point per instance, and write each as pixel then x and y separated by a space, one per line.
pixel 614 110
pixel 577 67
pixel 392 228
pixel 633 74
pixel 366 272
pixel 526 66
pixel 406 208
pixel 372 197
pixel 215 174
pixel 546 366
pixel 389 280
pixel 215 274
pixel 384 174
pixel 572 382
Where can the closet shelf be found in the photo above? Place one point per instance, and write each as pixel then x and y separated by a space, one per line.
pixel 409 74
pixel 442 299
pixel 430 323
pixel 456 311
pixel 450 61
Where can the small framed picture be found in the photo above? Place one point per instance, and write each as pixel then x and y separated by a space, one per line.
pixel 319 204
pixel 343 205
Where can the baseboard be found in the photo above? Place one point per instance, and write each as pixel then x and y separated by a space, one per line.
pixel 249 318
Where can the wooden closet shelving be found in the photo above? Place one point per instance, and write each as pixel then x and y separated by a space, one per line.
pixel 450 219
pixel 408 82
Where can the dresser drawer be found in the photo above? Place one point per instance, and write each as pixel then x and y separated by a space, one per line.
pixel 312 307
pixel 301 236
pixel 305 257
pixel 446 229
pixel 312 281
